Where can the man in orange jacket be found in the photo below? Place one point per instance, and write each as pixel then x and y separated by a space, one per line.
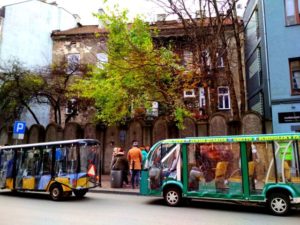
pixel 134 157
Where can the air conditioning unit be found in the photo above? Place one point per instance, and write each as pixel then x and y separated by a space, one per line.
pixel 189 93
pixel 154 105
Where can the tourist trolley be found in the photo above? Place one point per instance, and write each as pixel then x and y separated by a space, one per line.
pixel 60 168
pixel 250 168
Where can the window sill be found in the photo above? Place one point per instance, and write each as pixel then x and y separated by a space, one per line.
pixel 224 109
pixel 292 25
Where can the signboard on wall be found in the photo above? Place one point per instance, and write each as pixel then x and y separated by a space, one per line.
pixel 289 117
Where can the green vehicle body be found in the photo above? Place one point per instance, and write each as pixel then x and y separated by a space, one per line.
pixel 274 178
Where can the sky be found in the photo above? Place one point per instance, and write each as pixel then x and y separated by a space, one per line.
pixel 85 8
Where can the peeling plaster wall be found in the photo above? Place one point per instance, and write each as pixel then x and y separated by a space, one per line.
pixel 87 48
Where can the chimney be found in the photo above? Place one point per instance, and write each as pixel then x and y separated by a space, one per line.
pixel 101 12
pixel 239 6
pixel 161 17
pixel 53 3
pixel 200 13
pixel 77 18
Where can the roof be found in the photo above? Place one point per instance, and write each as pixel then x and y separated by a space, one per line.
pixel 41 1
pixel 166 28
pixel 87 29
pixel 236 138
pixel 16 3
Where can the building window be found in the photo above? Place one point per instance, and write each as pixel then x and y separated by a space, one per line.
pixel 205 58
pixel 102 58
pixel 187 57
pixel 201 97
pixel 252 33
pixel 220 60
pixel 292 12
pixel 295 75
pixel 223 98
pixel 73 61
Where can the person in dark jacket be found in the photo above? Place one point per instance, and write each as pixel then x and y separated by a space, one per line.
pixel 120 162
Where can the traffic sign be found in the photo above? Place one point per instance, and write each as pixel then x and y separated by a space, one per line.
pixel 91 171
pixel 19 130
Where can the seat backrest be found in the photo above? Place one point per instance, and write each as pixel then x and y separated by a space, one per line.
pixel 251 168
pixel 221 169
pixel 287 170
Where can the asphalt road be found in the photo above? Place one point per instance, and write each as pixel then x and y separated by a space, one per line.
pixel 116 209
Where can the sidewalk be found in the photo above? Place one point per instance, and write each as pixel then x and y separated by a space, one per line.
pixel 106 188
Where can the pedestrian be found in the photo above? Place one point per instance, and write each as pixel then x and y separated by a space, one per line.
pixel 134 157
pixel 144 154
pixel 120 162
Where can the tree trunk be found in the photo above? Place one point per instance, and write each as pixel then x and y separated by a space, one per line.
pixel 31 112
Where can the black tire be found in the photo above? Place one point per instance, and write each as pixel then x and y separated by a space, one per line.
pixel 56 192
pixel 80 193
pixel 173 196
pixel 279 204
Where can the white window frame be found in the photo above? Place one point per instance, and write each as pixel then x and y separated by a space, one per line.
pixel 201 97
pixel 223 96
pixel 221 64
pixel 207 58
pixel 189 93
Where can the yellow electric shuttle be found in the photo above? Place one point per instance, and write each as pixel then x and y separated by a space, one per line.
pixel 60 168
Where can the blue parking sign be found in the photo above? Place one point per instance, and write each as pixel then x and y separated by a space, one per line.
pixel 19 129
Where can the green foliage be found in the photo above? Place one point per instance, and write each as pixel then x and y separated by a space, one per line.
pixel 136 74
pixel 180 114
pixel 18 87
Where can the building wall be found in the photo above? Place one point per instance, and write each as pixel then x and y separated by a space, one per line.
pixel 87 48
pixel 256 65
pixel 26 37
pixel 27 28
pixel 282 44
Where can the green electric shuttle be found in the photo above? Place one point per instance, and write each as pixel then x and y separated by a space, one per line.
pixel 263 169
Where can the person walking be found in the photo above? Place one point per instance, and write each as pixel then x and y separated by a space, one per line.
pixel 144 154
pixel 134 157
pixel 120 162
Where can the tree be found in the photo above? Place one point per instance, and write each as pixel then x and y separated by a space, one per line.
pixel 18 88
pixel 214 33
pixel 58 77
pixel 135 75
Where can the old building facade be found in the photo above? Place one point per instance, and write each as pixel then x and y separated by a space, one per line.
pixel 84 46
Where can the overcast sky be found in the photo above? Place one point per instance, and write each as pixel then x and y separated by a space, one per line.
pixel 85 8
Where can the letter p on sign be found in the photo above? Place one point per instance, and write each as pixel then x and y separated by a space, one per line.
pixel 19 130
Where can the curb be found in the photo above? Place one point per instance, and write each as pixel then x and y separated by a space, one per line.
pixel 115 192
